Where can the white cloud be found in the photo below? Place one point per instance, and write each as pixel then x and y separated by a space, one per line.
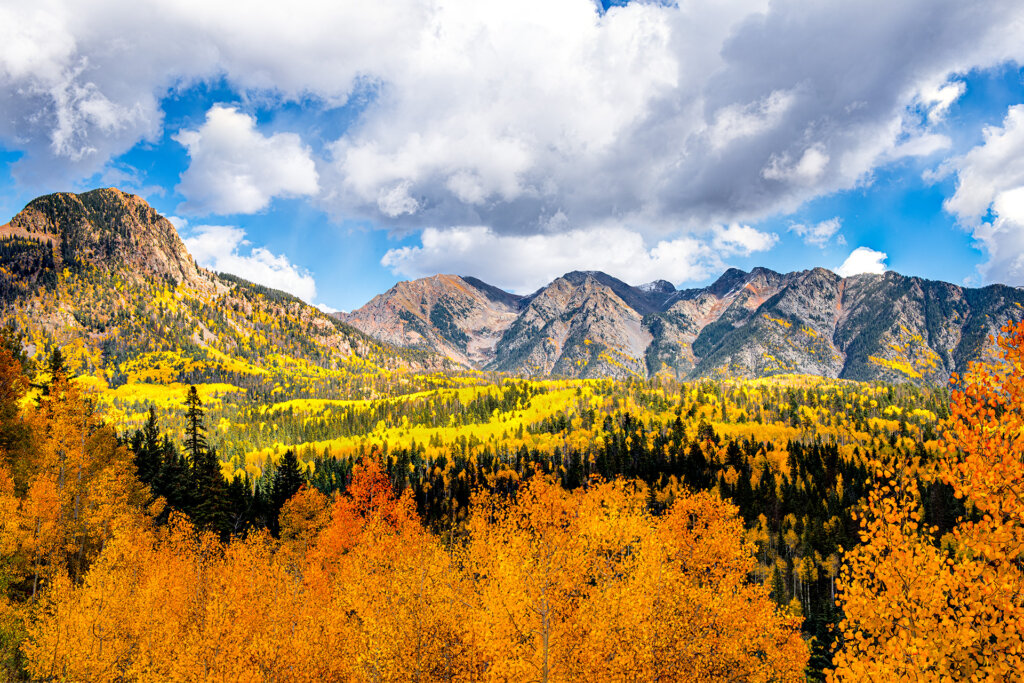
pixel 522 263
pixel 506 114
pixel 863 260
pixel 235 169
pixel 820 234
pixel 989 198
pixel 737 122
pixel 221 247
pixel 742 240
pixel 938 99
pixel 807 170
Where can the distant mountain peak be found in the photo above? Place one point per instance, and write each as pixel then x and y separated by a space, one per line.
pixel 107 228
pixel 657 287
pixel 104 271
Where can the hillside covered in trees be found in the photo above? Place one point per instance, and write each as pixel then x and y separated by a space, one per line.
pixel 551 530
pixel 201 478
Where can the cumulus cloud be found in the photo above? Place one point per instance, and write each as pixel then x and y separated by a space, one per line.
pixel 507 114
pixel 223 248
pixel 742 240
pixel 820 234
pixel 863 260
pixel 522 263
pixel 236 169
pixel 989 197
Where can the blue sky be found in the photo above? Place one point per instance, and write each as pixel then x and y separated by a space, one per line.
pixel 332 149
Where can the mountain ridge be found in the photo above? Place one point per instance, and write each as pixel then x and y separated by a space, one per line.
pixel 103 272
pixel 868 326
pixel 106 278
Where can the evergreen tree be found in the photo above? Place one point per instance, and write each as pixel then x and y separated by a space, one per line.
pixel 172 480
pixel 55 367
pixel 206 498
pixel 288 479
pixel 195 430
pixel 778 588
pixel 148 449
pixel 211 502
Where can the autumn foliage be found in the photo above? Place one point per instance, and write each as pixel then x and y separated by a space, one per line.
pixel 553 586
pixel 918 607
pixel 526 531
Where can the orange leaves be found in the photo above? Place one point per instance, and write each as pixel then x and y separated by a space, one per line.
pixel 588 585
pixel 934 609
pixel 554 585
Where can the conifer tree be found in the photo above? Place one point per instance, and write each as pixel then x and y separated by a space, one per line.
pixel 210 509
pixel 56 367
pixel 288 479
pixel 146 446
pixel 195 430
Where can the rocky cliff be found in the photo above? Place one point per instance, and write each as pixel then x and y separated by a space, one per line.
pixel 106 278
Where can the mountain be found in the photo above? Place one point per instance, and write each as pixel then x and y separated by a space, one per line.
pixel 462 318
pixel 108 280
pixel 589 324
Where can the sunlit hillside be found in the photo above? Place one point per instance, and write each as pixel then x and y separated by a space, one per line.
pixel 165 430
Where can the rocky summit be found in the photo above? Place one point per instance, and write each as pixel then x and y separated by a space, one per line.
pixel 589 324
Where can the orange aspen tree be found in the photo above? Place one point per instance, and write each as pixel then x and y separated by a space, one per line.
pixel 921 608
pixel 588 585
pixel 383 584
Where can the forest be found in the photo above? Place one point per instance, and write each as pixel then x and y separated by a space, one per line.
pixel 498 528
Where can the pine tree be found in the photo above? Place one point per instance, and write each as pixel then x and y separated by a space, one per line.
pixel 210 509
pixel 172 480
pixel 195 430
pixel 288 479
pixel 778 592
pixel 55 367
pixel 148 450
pixel 206 496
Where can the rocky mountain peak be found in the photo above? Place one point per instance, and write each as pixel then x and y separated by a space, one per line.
pixel 462 318
pixel 729 280
pixel 590 324
pixel 106 228
pixel 657 287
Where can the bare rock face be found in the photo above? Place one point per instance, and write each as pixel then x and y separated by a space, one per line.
pixel 93 265
pixel 462 318
pixel 580 326
pixel 104 272
pixel 588 324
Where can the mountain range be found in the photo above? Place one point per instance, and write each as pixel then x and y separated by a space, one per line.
pixel 588 324
pixel 102 275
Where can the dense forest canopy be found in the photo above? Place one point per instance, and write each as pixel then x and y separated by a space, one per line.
pixel 514 529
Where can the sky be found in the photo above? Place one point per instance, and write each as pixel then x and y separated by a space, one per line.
pixel 331 149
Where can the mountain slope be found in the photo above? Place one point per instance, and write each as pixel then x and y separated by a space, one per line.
pixel 588 324
pixel 463 318
pixel 106 278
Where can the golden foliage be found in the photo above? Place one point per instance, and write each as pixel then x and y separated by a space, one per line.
pixel 922 608
pixel 555 586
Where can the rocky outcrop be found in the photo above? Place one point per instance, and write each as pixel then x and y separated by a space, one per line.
pixel 110 229
pixel 104 274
